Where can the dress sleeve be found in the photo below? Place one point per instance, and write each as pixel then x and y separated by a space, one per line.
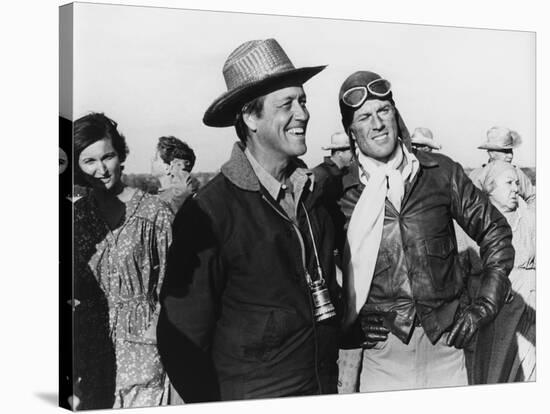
pixel 190 300
pixel 162 233
pixel 163 236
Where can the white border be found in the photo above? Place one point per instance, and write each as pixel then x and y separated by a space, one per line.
pixel 29 202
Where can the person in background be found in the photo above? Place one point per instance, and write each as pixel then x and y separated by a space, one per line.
pixel 505 350
pixel 121 238
pixel 500 144
pixel 404 288
pixel 248 306
pixel 340 157
pixel 328 176
pixel 172 165
pixel 422 139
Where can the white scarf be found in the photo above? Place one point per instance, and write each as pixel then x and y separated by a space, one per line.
pixel 367 221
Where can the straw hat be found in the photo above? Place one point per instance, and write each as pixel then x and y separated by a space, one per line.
pixel 338 141
pixel 255 68
pixel 423 136
pixel 500 138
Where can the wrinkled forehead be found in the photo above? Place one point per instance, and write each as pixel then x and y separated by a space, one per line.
pixel 508 174
pixel 287 92
pixel 372 106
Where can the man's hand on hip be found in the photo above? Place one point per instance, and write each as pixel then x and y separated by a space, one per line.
pixel 469 321
pixel 373 329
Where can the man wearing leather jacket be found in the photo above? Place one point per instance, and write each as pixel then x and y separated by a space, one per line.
pixel 404 287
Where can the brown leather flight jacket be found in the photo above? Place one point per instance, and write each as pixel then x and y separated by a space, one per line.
pixel 417 271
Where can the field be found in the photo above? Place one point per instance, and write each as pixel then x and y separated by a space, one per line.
pixel 150 184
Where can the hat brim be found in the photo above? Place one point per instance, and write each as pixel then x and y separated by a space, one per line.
pixel 335 147
pixel 493 147
pixel 427 142
pixel 222 112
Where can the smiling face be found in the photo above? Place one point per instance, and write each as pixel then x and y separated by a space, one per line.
pixel 374 129
pixel 505 192
pixel 281 126
pixel 101 165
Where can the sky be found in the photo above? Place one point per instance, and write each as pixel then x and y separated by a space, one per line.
pixel 156 70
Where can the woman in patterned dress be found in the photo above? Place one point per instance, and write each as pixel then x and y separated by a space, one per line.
pixel 121 238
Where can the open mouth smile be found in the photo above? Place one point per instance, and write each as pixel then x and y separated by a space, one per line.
pixel 380 137
pixel 298 131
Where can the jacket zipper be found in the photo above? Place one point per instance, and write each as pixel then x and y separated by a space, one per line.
pixel 308 278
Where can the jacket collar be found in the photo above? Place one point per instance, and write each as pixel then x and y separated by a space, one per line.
pixel 351 179
pixel 239 171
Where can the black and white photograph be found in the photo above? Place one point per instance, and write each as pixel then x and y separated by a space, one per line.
pixel 323 209
pixel 257 206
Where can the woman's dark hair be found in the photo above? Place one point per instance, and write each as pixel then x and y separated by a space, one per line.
pixel 90 129
pixel 254 107
pixel 170 147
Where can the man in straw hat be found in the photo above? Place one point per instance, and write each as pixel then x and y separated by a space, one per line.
pixel 404 288
pixel 422 139
pixel 500 144
pixel 248 302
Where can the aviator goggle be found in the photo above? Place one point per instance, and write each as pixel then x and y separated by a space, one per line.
pixel 356 96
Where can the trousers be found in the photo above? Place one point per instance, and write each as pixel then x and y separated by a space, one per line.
pixel 393 365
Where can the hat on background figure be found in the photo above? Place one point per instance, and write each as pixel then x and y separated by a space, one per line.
pixel 423 136
pixel 338 141
pixel 500 138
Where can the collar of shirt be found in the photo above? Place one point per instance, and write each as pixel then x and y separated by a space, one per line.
pixel 298 179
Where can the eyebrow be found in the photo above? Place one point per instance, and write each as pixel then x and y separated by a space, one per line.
pixel 292 96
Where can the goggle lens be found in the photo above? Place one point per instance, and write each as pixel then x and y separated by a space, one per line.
pixel 356 96
pixel 379 87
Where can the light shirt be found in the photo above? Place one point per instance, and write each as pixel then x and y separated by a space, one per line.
pixel 286 194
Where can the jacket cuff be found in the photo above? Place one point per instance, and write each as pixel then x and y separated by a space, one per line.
pixel 353 337
pixel 494 290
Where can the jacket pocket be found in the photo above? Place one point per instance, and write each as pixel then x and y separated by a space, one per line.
pixel 440 262
pixel 383 274
pixel 267 331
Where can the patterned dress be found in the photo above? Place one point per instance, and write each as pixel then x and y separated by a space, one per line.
pixel 129 263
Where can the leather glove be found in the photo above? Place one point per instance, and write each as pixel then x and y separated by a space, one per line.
pixel 374 330
pixel 474 316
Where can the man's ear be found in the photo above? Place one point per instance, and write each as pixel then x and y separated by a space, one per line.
pixel 251 121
